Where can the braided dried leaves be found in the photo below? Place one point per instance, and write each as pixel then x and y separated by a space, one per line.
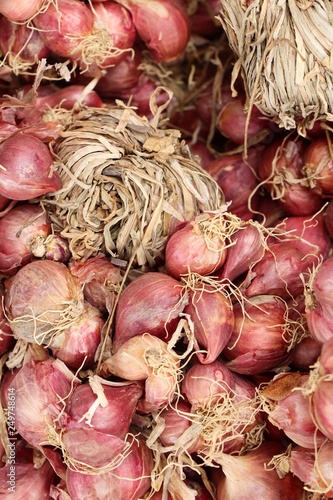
pixel 125 180
pixel 284 52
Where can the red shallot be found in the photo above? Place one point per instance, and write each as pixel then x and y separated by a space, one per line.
pixel 250 476
pixel 40 388
pixel 262 335
pixel 318 301
pixel 130 480
pixel 200 246
pixel 20 11
pixel 140 308
pixel 24 231
pixel 290 411
pixel 146 357
pixel 280 172
pixel 318 166
pixel 211 312
pixel 27 168
pixel 163 25
pixel 278 272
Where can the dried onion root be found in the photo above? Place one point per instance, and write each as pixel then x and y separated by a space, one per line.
pixel 126 183
pixel 283 51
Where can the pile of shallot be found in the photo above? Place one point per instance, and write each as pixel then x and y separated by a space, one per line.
pixel 203 369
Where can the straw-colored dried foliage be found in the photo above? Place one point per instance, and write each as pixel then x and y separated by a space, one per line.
pixel 284 53
pixel 126 182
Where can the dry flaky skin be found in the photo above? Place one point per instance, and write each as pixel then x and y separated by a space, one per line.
pixel 284 51
pixel 125 180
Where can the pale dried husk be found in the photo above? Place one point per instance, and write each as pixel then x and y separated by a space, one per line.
pixel 125 180
pixel 284 53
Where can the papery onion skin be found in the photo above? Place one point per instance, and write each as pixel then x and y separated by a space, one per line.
pixel 28 170
pixel 37 297
pixel 192 249
pixel 129 481
pixel 212 314
pixel 259 341
pixel 328 217
pixel 140 308
pixel 24 230
pixel 26 481
pixel 163 25
pixel 39 388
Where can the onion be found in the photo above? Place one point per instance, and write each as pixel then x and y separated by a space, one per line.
pixel 320 390
pixel 27 168
pixel 314 468
pixel 237 179
pixel 177 419
pixel 200 151
pixel 24 231
pixel 148 358
pixel 206 384
pixel 261 337
pixel 204 19
pixel 130 480
pixel 21 11
pixel 7 339
pixel 41 300
pixel 247 247
pixel 119 80
pixel 211 312
pixel 280 171
pixel 305 354
pixel 224 413
pixel 106 408
pixel 115 21
pixel 197 247
pixel 318 166
pixel 45 306
pixel 289 410
pixel 67 30
pixel 278 272
pixel 231 121
pixel 40 388
pixel 78 344
pixel 308 234
pixel 140 308
pixel 25 480
pixel 247 476
pixel 163 25
pixel 318 293
pixel 100 280
pixel 21 46
pixel 67 97
pixel 328 217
